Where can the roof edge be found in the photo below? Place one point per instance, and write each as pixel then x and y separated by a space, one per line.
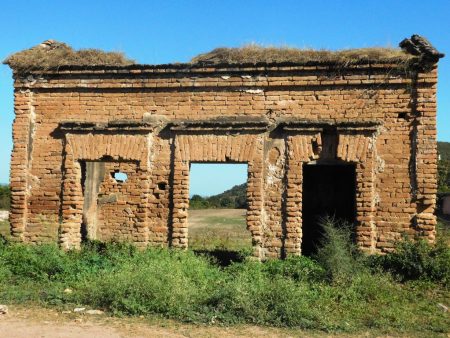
pixel 418 52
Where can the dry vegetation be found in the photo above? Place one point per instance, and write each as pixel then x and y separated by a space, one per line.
pixel 52 55
pixel 258 54
pixel 225 229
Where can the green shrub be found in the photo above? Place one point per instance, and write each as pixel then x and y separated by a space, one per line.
pixel 417 260
pixel 296 292
pixel 36 263
pixel 300 268
pixel 250 295
pixel 155 281
pixel 336 253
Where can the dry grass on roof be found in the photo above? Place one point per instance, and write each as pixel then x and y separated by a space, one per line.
pixel 259 54
pixel 52 55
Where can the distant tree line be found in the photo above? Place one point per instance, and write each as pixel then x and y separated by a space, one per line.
pixel 5 197
pixel 234 198
pixel 444 167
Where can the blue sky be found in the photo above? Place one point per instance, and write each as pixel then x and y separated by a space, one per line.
pixel 169 31
pixel 208 179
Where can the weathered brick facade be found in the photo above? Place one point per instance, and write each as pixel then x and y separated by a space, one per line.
pixel 77 126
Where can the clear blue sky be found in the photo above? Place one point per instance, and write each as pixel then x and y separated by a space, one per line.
pixel 169 31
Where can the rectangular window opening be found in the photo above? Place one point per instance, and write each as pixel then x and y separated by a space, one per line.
pixel 217 211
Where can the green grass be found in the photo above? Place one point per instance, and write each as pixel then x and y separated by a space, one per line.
pixel 4 228
pixel 228 233
pixel 219 229
pixel 397 293
pixel 217 220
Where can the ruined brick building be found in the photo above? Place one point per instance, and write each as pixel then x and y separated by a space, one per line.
pixel 348 133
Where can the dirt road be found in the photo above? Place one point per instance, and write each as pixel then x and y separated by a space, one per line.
pixel 46 323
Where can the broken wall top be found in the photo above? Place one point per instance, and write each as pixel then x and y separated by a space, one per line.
pixel 52 56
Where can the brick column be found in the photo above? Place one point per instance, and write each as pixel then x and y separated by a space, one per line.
pixel 426 154
pixel 358 147
pixel 72 204
pixel 20 161
pixel 141 237
pixel 299 150
pixel 255 205
pixel 180 204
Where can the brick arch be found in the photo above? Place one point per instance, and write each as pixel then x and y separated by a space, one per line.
pixel 353 145
pixel 224 148
pixel 95 147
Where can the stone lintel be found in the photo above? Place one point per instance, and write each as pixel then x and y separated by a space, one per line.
pixel 224 123
pixel 313 126
pixel 118 125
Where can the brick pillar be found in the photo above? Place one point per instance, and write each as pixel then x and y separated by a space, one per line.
pixel 293 206
pixel 20 161
pixel 255 205
pixel 299 150
pixel 141 238
pixel 365 206
pixel 426 154
pixel 72 203
pixel 358 147
pixel 180 200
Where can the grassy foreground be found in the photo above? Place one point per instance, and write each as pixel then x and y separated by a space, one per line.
pixel 339 291
pixel 225 229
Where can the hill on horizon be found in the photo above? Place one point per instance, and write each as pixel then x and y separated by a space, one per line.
pixel 234 198
pixel 444 150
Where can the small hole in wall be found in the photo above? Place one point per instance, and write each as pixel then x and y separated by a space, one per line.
pixel 402 116
pixel 162 185
pixel 120 177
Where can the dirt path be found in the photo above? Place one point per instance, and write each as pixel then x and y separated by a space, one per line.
pixel 46 323
pixel 35 322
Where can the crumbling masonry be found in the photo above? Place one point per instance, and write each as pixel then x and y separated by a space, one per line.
pixel 372 121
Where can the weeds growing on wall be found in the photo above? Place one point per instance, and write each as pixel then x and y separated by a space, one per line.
pixel 254 53
pixel 53 54
pixel 339 290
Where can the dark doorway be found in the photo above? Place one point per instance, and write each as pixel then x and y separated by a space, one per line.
pixel 328 190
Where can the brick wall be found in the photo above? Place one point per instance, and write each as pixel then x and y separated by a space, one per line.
pixel 383 119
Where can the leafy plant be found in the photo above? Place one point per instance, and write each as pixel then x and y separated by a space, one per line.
pixel 417 260
pixel 340 291
pixel 336 252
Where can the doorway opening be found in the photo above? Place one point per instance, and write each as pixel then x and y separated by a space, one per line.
pixel 329 190
pixel 217 211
